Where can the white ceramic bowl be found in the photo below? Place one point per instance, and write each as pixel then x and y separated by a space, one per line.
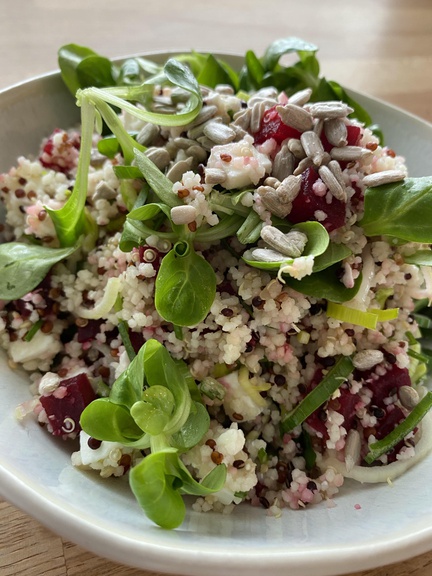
pixel 392 523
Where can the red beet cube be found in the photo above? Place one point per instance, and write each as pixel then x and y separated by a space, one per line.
pixel 381 388
pixel 273 127
pixel 65 405
pixel 307 203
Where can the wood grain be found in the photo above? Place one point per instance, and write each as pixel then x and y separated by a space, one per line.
pixel 380 48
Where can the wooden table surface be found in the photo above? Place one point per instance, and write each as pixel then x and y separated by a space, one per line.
pixel 382 48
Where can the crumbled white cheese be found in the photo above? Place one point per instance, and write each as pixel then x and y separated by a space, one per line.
pixel 246 166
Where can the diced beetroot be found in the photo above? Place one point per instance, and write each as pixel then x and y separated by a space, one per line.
pixel 390 420
pixel 65 405
pixel 272 127
pixel 353 137
pixel 346 404
pixel 89 331
pixel 149 255
pixel 307 203
pixel 137 340
pixel 395 377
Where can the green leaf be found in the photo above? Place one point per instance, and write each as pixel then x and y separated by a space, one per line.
pixel 325 284
pixel 320 394
pixel 109 147
pixel 193 429
pixel 127 172
pixel 70 220
pixel 148 211
pixel 154 489
pixel 24 266
pixel 158 481
pixel 185 286
pixel 158 182
pixel 96 71
pixel 420 258
pixel 334 253
pixel 255 69
pixel 402 210
pixel 213 73
pixel 161 370
pixel 154 411
pixel 104 420
pixel 285 46
pixel 69 57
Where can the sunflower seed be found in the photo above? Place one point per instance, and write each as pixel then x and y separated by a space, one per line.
pixel 384 177
pixel 367 359
pixel 295 116
pixel 267 255
pixel 283 163
pixel 330 109
pixel 330 180
pixel 159 156
pixel 257 112
pixel 224 89
pixel 300 98
pixel 219 133
pixel 183 214
pixel 183 143
pixel 352 449
pixel 291 244
pixel 272 182
pixel 289 188
pixel 270 199
pixel 268 92
pixel 179 95
pixel 267 102
pixel 178 169
pixel 240 132
pixel 296 148
pixel 147 134
pixel 104 191
pixel 206 113
pixel 197 131
pixel 214 176
pixel 334 166
pixel 313 147
pixel 242 118
pixel 408 396
pixel 197 153
pixel 349 153
pixel 318 126
pixel 205 142
pixel 303 165
pixel 336 132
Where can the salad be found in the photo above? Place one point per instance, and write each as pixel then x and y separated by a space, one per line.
pixel 218 284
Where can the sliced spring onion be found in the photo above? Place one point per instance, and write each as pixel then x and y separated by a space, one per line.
pixel 418 355
pixel 124 334
pixel 109 298
pixel 368 319
pixel 35 328
pixel 352 316
pixel 423 321
pixel 385 315
pixel 328 385
pixel 379 448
